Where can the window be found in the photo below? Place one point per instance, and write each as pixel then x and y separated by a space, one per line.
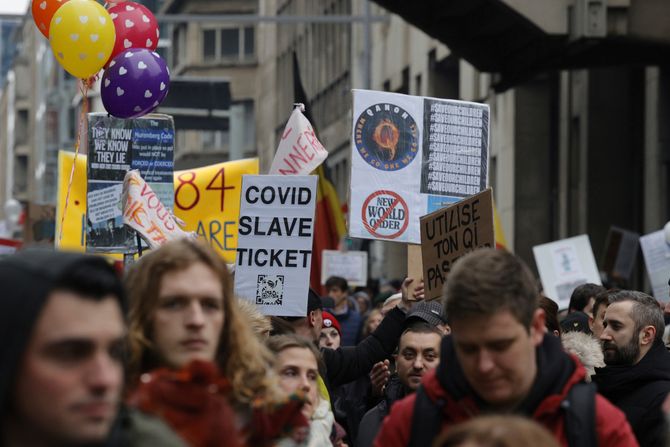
pixel 228 44
pixel 209 43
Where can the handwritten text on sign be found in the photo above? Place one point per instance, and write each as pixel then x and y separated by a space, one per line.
pixel 449 233
pixel 299 151
pixel 274 245
pixel 144 212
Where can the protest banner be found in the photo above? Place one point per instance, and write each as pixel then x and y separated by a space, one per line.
pixel 564 265
pixel 350 265
pixel 114 147
pixel 451 232
pixel 299 151
pixel 620 254
pixel 144 212
pixel 412 155
pixel 207 199
pixel 274 245
pixel 72 219
pixel 656 252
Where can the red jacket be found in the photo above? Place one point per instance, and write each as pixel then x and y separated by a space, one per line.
pixel 612 427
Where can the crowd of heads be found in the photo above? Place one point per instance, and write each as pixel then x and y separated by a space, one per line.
pixel 80 343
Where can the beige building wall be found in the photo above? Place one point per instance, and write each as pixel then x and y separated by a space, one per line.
pixel 199 50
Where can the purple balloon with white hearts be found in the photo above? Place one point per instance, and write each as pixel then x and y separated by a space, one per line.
pixel 135 82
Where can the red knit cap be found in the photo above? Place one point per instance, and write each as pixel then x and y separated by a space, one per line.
pixel 330 321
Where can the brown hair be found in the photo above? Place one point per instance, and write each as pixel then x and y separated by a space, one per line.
pixel 487 281
pixel 279 343
pixel 497 431
pixel 241 355
pixel 551 313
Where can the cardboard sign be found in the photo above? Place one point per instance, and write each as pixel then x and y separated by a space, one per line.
pixel 563 265
pixel 450 233
pixel 144 212
pixel 299 151
pixel 656 253
pixel 412 155
pixel 350 265
pixel 274 245
pixel 207 199
pixel 116 146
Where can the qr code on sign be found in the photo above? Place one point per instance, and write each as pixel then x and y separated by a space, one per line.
pixel 270 290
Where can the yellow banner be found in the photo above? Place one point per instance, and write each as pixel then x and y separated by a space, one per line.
pixel 74 225
pixel 207 199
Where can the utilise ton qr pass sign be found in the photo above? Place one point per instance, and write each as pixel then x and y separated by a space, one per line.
pixel 274 245
pixel 450 233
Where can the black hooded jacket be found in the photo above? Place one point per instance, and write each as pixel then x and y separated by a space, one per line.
pixel 639 391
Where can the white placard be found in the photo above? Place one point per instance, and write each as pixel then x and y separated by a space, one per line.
pixel 274 243
pixel 412 155
pixel 106 203
pixel 564 265
pixel 656 253
pixel 350 265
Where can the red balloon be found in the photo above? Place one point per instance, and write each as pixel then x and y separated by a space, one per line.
pixel 136 27
pixel 43 12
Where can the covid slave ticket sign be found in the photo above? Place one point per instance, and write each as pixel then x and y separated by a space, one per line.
pixel 412 155
pixel 450 233
pixel 274 243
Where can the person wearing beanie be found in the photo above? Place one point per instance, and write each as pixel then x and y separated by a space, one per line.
pixel 331 334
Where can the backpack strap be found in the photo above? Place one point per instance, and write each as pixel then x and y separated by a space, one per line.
pixel 426 420
pixel 580 415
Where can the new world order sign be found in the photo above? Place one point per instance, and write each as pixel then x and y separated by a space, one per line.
pixel 412 155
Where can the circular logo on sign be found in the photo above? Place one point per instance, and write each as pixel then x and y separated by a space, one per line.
pixel 386 136
pixel 385 214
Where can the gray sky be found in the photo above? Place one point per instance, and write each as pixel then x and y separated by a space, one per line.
pixel 13 6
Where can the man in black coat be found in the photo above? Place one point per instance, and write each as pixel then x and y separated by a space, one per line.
pixel 636 377
pixel 418 353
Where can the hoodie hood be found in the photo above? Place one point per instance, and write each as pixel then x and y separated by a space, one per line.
pixel 557 373
pixel 27 278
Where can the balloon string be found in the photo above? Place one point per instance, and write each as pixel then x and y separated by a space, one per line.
pixel 83 88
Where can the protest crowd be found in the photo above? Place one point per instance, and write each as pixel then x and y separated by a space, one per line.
pixel 167 355
pixel 187 308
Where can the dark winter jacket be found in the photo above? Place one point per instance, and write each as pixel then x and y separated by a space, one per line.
pixel 372 421
pixel 557 373
pixel 348 363
pixel 639 391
